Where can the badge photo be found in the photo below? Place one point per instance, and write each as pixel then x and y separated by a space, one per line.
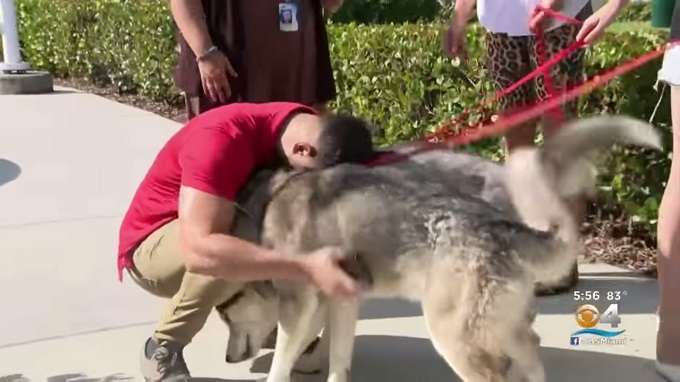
pixel 288 17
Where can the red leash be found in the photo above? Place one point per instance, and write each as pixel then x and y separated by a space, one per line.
pixel 541 50
pixel 448 136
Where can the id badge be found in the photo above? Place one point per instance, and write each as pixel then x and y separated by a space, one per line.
pixel 288 17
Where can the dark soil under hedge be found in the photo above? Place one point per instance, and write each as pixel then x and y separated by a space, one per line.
pixel 611 242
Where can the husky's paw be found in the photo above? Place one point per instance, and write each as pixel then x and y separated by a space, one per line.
pixel 313 360
pixel 339 377
pixel 559 287
pixel 311 363
pixel 271 378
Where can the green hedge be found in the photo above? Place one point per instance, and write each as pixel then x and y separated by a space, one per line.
pixel 639 11
pixel 401 11
pixel 396 76
pixel 387 11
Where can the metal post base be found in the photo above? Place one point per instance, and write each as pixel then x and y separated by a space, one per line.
pixel 26 83
pixel 11 68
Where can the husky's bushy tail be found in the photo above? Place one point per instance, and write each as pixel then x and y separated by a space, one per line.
pixel 540 180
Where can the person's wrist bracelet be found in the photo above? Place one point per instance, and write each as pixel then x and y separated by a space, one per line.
pixel 207 53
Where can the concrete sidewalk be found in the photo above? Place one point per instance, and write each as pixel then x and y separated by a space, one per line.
pixel 69 164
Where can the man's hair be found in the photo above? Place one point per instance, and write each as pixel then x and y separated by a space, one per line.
pixel 344 139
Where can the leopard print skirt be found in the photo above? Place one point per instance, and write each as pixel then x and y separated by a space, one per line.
pixel 509 58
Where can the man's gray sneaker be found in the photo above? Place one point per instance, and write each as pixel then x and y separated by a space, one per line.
pixel 160 363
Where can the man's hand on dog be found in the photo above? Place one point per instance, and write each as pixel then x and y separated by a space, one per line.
pixel 324 269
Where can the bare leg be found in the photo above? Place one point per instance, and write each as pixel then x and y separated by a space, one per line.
pixel 343 321
pixel 564 76
pixel 577 204
pixel 300 320
pixel 520 136
pixel 668 233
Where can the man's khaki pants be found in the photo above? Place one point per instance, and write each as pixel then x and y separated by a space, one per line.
pixel 159 269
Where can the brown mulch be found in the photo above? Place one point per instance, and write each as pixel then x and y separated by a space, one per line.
pixel 616 243
pixel 611 242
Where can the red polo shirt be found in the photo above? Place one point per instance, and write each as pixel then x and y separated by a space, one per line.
pixel 215 153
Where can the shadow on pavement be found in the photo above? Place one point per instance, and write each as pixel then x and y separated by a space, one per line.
pixel 78 377
pixel 64 91
pixel 73 377
pixel 377 309
pixel 8 171
pixel 405 359
pixel 13 378
pixel 639 294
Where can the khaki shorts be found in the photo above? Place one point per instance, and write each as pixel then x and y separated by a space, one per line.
pixel 510 58
pixel 670 69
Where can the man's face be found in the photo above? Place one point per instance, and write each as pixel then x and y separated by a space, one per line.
pixel 287 17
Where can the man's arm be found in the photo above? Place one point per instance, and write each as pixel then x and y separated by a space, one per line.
pixel 204 222
pixel 190 18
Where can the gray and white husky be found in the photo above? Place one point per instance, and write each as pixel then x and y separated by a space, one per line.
pixel 465 237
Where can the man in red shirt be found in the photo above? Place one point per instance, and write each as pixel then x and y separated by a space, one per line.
pixel 174 240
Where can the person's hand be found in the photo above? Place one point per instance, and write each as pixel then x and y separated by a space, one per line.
pixel 537 17
pixel 454 43
pixel 595 25
pixel 323 268
pixel 331 6
pixel 214 69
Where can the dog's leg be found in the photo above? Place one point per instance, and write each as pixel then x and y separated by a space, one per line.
pixel 458 329
pixel 300 320
pixel 317 360
pixel 343 322
pixel 523 350
pixel 472 363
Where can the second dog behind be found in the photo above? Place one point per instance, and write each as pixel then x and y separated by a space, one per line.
pixel 471 264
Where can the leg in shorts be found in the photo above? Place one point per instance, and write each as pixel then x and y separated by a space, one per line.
pixel 668 235
pixel 670 69
pixel 510 58
pixel 159 269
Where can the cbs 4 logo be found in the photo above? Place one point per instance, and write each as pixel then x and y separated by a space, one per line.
pixel 588 316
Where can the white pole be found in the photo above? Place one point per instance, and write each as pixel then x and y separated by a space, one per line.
pixel 10 38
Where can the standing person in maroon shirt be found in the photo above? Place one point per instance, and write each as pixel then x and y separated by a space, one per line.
pixel 253 51
pixel 174 239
